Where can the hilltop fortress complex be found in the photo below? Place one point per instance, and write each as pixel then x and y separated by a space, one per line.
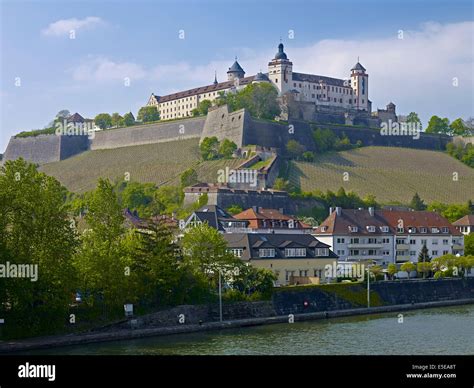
pixel 307 101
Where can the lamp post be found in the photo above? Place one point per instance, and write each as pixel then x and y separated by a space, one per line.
pixel 368 285
pixel 220 296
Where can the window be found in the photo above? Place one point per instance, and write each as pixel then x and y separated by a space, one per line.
pixel 434 253
pixel 386 253
pixel 434 241
pixel 324 228
pixel 276 80
pixel 341 252
pixel 354 252
pixel 312 95
pixel 355 240
pixel 322 251
pixel 237 252
pixel 445 252
pixel 423 229
pixel 266 252
pixel 353 229
pixel 295 252
pixel 445 242
pixel 411 229
pixel 289 274
pixel 304 272
pixel 372 252
pixel 340 240
pixel 445 230
pixel 423 242
pixel 400 230
pixel 371 228
pixel 434 230
pixel 372 240
pixel 385 241
pixel 412 253
pixel 400 241
pixel 412 242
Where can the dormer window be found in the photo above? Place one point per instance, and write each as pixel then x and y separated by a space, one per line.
pixel 411 229
pixel 324 228
pixel 423 229
pixel 371 228
pixel 445 229
pixel 353 229
pixel 384 229
pixel 434 230
pixel 400 230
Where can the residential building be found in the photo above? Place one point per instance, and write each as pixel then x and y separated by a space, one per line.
pixel 294 258
pixel 465 224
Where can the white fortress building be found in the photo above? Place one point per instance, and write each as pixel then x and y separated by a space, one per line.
pixel 351 93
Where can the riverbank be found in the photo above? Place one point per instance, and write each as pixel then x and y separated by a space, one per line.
pixel 80 339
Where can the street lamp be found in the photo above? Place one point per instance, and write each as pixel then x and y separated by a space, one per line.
pixel 368 284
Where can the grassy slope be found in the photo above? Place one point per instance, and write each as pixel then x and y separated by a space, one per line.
pixel 391 174
pixel 160 163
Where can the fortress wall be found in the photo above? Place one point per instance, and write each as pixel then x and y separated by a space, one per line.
pixel 224 125
pixel 148 134
pixel 72 145
pixel 37 149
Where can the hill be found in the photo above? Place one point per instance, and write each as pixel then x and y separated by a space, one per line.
pixel 160 163
pixel 391 174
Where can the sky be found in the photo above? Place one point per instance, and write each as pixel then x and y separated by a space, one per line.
pixel 109 56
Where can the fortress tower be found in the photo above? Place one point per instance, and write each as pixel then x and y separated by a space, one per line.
pixel 280 71
pixel 235 71
pixel 360 85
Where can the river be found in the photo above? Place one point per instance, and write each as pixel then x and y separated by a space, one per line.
pixel 438 331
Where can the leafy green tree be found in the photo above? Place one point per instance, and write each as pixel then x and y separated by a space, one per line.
pixel 408 267
pixel 234 209
pixel 308 156
pixel 202 108
pixel 413 118
pixel 324 139
pixel 148 114
pixel 438 125
pixel 128 119
pixel 35 230
pixel 452 212
pixel 469 244
pixel 138 196
pixel 294 149
pixel 116 120
pixel 209 148
pixel 250 280
pixel 392 270
pixel 424 268
pixel 205 248
pixel 458 128
pixel 103 120
pixel 417 203
pixel 227 148
pixel 189 177
pixel 281 184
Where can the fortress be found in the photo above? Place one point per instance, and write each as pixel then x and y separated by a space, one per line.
pixel 307 101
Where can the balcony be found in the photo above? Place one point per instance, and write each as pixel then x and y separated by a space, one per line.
pixel 458 247
pixel 365 245
pixel 403 247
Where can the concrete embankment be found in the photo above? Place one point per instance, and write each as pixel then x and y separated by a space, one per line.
pixel 127 334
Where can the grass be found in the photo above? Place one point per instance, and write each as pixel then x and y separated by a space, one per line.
pixel 392 174
pixel 160 163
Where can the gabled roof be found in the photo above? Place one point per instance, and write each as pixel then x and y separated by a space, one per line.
pixel 465 221
pixel 75 118
pixel 358 66
pixel 203 89
pixel 236 68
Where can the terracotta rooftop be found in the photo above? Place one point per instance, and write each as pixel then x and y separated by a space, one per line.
pixel 465 221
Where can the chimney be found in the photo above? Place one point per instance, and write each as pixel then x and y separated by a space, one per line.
pixel 338 210
pixel 371 211
pixel 331 210
pixel 259 209
pixel 281 210
pixel 254 208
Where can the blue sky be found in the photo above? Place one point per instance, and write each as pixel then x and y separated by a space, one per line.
pixel 139 40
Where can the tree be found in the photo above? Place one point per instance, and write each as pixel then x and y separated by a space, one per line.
pixel 469 244
pixel 205 249
pixel 189 177
pixel 63 114
pixel 458 128
pixel 413 118
pixel 35 230
pixel 392 270
pixel 408 267
pixel 227 149
pixel 294 149
pixel 423 268
pixel 138 197
pixel 103 120
pixel 116 120
pixel 324 139
pixel 424 256
pixel 128 119
pixel 438 125
pixel 209 148
pixel 149 113
pixel 234 209
pixel 281 184
pixel 308 156
pixel 417 203
pixel 202 108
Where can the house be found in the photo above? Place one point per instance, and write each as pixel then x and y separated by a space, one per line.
pixel 465 224
pixel 294 258
pixel 215 217
pixel 388 235
pixel 272 220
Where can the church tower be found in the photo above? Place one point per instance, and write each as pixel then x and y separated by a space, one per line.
pixel 280 71
pixel 235 71
pixel 360 85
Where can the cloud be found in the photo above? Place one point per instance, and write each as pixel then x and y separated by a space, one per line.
pixel 100 69
pixel 64 26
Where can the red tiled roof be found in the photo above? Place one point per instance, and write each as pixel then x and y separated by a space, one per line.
pixel 465 221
